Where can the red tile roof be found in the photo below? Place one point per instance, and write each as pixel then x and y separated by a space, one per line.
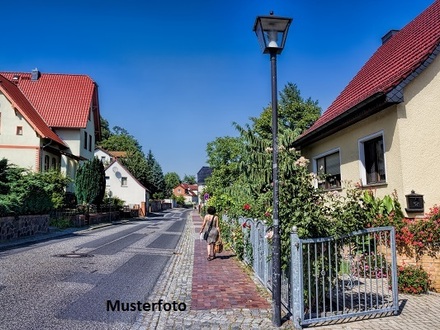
pixel 392 63
pixel 62 100
pixel 21 104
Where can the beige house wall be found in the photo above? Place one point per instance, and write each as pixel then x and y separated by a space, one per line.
pixel 21 150
pixel 419 135
pixel 411 132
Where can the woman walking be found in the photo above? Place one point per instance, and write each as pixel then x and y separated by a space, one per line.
pixel 210 225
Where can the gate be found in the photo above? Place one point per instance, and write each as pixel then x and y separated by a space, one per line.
pixel 350 276
pixel 330 278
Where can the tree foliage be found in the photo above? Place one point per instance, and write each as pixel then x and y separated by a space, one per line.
pixel 26 192
pixel 156 181
pixel 90 182
pixel 172 180
pixel 189 179
pixel 242 184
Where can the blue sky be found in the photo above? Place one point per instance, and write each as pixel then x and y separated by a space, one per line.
pixel 177 74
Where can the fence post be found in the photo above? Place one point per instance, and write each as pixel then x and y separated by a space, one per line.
pixel 296 280
pixel 394 280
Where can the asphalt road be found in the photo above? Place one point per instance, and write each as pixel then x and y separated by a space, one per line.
pixel 68 283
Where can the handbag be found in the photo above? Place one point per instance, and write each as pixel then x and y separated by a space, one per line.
pixel 206 234
pixel 218 247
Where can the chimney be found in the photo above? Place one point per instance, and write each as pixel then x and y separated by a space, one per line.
pixel 388 36
pixel 35 74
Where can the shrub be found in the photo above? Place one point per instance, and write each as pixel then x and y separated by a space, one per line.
pixel 413 279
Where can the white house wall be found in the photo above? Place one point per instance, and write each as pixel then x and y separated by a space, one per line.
pixel 132 193
pixel 103 156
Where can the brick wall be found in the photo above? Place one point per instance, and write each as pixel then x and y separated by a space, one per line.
pixel 430 264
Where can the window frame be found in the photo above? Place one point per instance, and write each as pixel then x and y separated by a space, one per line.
pixel 364 175
pixel 316 169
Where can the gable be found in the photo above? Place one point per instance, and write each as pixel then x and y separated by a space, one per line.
pixel 117 167
pixel 380 81
pixel 21 104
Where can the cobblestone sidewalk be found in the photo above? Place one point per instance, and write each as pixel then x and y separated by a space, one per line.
pixel 240 303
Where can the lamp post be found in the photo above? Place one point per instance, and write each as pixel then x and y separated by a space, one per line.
pixel 272 33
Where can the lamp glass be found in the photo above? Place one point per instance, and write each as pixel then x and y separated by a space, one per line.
pixel 272 32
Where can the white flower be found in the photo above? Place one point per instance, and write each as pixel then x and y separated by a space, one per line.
pixel 302 162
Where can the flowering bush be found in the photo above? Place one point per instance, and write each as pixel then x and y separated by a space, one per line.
pixel 413 279
pixel 414 237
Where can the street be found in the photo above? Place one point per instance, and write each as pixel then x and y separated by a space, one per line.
pixel 78 281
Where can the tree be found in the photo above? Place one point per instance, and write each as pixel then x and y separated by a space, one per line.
pixel 172 180
pixel 241 181
pixel 295 114
pixel 55 184
pixel 121 140
pixel 105 129
pixel 90 182
pixel 224 154
pixel 156 181
pixel 189 179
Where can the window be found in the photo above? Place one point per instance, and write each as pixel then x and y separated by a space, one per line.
pixel 85 140
pixel 123 181
pixel 19 130
pixel 54 163
pixel 90 142
pixel 329 168
pixel 372 157
pixel 46 163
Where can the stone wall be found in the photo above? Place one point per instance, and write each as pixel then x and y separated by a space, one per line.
pixel 23 226
pixel 80 220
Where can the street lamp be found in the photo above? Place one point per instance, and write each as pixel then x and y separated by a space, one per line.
pixel 272 33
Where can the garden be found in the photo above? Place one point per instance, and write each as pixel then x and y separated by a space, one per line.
pixel 241 186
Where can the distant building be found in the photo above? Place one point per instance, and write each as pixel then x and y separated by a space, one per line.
pixel 204 173
pixel 188 191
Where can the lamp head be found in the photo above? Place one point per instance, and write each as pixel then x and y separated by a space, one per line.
pixel 272 32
